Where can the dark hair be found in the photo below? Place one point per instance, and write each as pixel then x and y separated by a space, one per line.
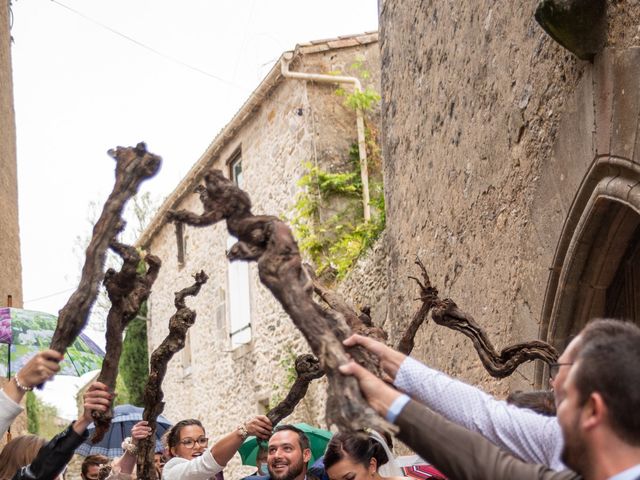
pixel 359 446
pixel 302 437
pixel 540 401
pixel 173 437
pixel 92 460
pixel 608 365
pixel 604 328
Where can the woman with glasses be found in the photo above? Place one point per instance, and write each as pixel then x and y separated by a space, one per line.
pixel 190 459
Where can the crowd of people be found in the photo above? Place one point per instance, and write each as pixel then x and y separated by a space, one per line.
pixel 588 428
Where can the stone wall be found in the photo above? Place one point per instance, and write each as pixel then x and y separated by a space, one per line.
pixel 297 123
pixel 11 278
pixel 472 107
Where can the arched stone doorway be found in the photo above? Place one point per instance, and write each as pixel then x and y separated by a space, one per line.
pixel 596 266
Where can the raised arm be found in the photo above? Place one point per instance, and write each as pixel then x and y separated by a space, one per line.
pixel 454 450
pixel 530 436
pixel 39 369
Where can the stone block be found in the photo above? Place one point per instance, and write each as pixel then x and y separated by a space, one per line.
pixel 626 102
pixel 603 95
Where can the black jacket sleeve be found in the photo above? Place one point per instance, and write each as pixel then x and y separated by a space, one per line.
pixel 52 457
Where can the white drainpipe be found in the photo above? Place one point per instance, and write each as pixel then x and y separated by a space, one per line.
pixel 362 148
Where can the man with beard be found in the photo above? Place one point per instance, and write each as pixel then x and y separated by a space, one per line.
pixel 530 436
pixel 288 454
pixel 598 404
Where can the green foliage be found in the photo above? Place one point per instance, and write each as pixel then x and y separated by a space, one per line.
pixel 134 361
pixel 41 417
pixel 33 422
pixel 335 243
pixel 364 100
pixel 280 389
pixel 123 397
pixel 328 216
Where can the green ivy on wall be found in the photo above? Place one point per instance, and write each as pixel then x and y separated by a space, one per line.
pixel 328 217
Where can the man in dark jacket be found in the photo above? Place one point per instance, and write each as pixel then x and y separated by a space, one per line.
pixel 53 457
pixel 597 411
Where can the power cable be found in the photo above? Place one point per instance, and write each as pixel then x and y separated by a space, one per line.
pixel 146 47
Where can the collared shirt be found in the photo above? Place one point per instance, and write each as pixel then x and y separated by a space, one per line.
pixel 528 435
pixel 632 473
pixel 9 410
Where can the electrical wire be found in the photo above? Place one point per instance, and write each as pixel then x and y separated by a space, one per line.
pixel 146 47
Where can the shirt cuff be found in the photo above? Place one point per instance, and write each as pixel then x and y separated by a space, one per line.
pixel 396 407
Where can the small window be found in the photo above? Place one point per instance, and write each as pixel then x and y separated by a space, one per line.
pixel 181 242
pixel 239 300
pixel 186 354
pixel 236 169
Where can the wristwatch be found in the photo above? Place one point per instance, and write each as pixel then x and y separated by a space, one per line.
pixel 129 446
pixel 242 431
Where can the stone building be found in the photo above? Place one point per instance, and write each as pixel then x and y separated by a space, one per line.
pixel 11 278
pixel 512 170
pixel 238 357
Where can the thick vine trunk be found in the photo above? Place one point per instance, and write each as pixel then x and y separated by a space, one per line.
pixel 269 241
pixel 153 396
pixel 133 165
pixel 127 290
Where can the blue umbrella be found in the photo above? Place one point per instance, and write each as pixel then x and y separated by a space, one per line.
pixel 124 418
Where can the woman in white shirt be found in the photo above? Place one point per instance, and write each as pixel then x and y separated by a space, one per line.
pixel 190 459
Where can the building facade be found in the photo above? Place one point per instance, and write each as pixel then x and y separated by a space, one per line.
pixel 512 170
pixel 11 278
pixel 238 357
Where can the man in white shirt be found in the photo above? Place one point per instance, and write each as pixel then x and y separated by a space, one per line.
pixel 530 436
pixel 598 403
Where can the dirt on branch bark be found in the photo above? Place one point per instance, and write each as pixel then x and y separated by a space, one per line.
pixel 153 395
pixel 267 240
pixel 133 165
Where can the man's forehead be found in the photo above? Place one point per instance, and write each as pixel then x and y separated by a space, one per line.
pixel 570 352
pixel 284 437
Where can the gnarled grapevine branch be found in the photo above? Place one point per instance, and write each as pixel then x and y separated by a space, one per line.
pixel 153 395
pixel 499 365
pixel 133 165
pixel 307 369
pixel 269 241
pixel 127 290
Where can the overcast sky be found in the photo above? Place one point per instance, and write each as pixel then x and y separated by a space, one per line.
pixel 90 75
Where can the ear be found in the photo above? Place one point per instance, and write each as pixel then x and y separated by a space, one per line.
pixel 306 455
pixel 373 465
pixel 594 411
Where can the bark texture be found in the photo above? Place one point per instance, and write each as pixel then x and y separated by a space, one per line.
pixel 307 370
pixel 269 241
pixel 179 323
pixel 127 290
pixel 446 313
pixel 133 165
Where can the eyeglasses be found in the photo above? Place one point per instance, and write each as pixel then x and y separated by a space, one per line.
pixel 554 368
pixel 190 442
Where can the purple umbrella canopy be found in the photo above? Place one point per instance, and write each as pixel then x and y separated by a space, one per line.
pixel 23 333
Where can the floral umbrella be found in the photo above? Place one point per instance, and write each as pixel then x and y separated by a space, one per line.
pixel 23 333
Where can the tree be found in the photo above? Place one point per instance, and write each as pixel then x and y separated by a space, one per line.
pixel 134 361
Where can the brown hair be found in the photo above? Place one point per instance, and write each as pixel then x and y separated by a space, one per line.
pixel 92 460
pixel 18 453
pixel 173 435
pixel 540 401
